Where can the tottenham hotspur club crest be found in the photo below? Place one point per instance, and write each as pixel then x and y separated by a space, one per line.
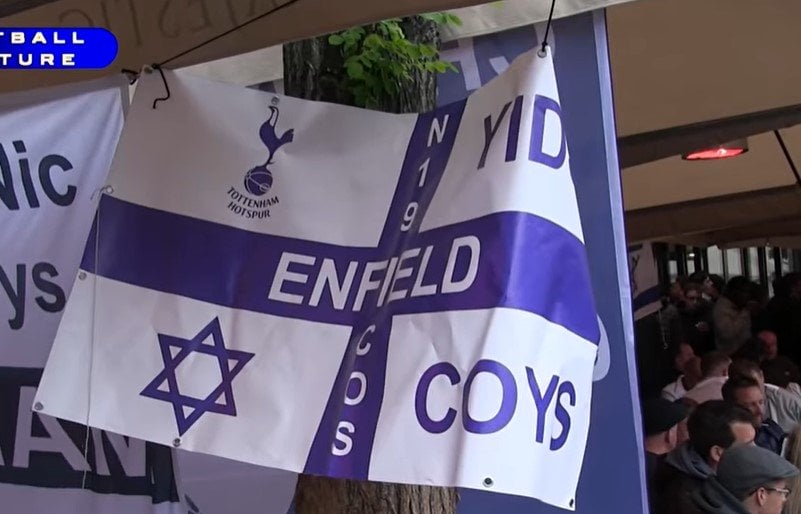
pixel 259 180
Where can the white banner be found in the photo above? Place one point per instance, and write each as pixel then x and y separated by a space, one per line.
pixel 321 289
pixel 56 146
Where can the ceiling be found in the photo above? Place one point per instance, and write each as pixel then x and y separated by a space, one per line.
pixel 687 74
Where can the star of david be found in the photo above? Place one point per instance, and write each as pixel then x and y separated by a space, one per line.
pixel 188 410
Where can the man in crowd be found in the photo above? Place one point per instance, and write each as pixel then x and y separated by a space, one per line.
pixel 750 480
pixel 715 370
pixel 661 419
pixel 711 285
pixel 780 405
pixel 770 345
pixel 714 426
pixel 689 367
pixel 784 312
pixel 696 320
pixel 731 317
pixel 747 393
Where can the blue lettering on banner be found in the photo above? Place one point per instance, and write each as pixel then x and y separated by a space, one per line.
pixel 56 48
pixel 14 280
pixel 455 267
pixel 41 451
pixel 507 404
pixel 13 173
pixel 542 105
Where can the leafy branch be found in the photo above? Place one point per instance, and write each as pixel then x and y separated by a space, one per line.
pixel 379 60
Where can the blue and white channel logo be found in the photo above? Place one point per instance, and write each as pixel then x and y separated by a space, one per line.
pixel 60 48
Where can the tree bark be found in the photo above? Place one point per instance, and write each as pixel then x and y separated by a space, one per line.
pixel 313 69
pixel 322 495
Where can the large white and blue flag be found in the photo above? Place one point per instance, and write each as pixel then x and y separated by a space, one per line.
pixel 336 291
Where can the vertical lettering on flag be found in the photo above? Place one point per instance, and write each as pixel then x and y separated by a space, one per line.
pixel 343 443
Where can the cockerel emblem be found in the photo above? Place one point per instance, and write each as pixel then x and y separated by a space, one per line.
pixel 259 179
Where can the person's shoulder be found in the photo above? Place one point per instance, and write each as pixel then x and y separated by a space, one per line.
pixel 783 395
pixel 674 390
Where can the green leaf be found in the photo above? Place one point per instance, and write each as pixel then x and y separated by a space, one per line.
pixel 355 69
pixel 373 41
pixel 396 32
pixel 415 52
pixel 379 59
pixel 436 17
pixel 366 61
pixel 428 50
pixel 441 66
pixel 453 19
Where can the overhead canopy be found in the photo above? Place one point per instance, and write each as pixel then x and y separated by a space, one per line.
pixel 153 32
pixel 690 74
pixel 755 196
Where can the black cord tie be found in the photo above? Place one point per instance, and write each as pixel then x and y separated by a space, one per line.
pixel 542 51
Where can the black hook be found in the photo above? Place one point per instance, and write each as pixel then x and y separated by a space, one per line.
pixel 166 85
pixel 132 75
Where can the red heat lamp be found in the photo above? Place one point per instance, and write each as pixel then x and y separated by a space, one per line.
pixel 724 151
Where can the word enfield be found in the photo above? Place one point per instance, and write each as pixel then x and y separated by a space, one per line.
pixel 397 278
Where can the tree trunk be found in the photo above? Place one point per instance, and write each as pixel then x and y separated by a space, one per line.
pixel 313 69
pixel 322 495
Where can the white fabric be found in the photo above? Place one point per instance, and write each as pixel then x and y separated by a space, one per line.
pixel 674 390
pixel 179 162
pixel 707 389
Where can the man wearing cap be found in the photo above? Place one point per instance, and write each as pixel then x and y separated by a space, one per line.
pixel 750 480
pixel 714 426
pixel 660 421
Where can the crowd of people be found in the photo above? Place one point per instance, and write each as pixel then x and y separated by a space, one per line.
pixel 723 434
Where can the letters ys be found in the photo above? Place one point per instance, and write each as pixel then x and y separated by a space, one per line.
pixel 25 185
